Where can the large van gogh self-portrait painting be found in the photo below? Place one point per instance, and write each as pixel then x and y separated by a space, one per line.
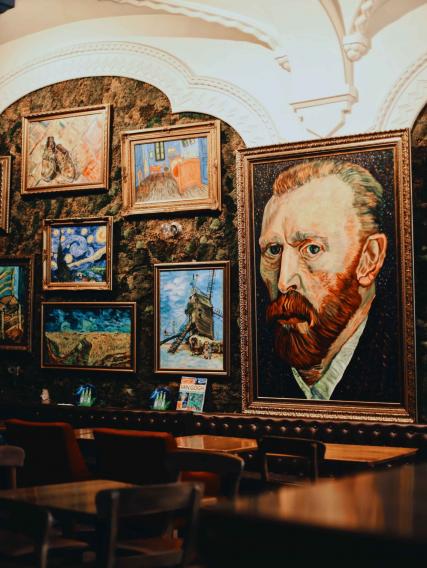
pixel 175 168
pixel 77 254
pixel 16 299
pixel 88 336
pixel 326 265
pixel 192 328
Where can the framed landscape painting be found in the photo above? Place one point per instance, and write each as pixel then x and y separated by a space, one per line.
pixel 77 254
pixel 5 172
pixel 192 309
pixel 16 302
pixel 88 336
pixel 326 279
pixel 175 168
pixel 65 150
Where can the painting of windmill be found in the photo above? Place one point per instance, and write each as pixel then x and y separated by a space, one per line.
pixel 191 319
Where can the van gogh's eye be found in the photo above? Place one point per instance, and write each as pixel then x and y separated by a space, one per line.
pixel 311 251
pixel 274 249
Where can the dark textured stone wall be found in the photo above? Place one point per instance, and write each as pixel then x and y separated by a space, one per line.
pixel 138 244
pixel 419 192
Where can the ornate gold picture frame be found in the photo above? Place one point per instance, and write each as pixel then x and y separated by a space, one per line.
pixel 5 173
pixel 89 336
pixel 77 253
pixel 66 150
pixel 175 168
pixel 192 318
pixel 326 278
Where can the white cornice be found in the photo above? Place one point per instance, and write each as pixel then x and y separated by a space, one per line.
pixel 406 98
pixel 185 90
pixel 208 13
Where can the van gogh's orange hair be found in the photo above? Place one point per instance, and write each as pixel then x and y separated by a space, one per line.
pixel 368 193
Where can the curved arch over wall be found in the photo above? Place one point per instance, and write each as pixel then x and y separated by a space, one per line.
pixel 185 90
pixel 406 99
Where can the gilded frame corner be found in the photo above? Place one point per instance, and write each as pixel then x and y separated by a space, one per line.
pixel 403 410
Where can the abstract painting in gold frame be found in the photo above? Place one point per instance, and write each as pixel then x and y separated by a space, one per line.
pixel 16 302
pixel 5 172
pixel 175 168
pixel 77 253
pixel 89 336
pixel 66 150
pixel 326 278
pixel 192 327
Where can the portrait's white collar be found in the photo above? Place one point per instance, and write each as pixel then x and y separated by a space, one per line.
pixel 323 389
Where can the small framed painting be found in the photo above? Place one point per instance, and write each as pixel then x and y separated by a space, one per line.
pixel 176 168
pixel 5 163
pixel 16 302
pixel 77 254
pixel 65 150
pixel 192 307
pixel 88 336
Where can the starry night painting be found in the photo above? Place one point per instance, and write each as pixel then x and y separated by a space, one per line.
pixel 89 335
pixel 192 327
pixel 78 254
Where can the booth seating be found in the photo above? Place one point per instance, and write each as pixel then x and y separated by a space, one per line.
pixel 132 456
pixel 52 453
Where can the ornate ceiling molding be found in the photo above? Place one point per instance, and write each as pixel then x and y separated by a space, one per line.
pixel 186 91
pixel 208 13
pixel 406 98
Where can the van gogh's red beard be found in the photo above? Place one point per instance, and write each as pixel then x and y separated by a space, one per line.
pixel 304 335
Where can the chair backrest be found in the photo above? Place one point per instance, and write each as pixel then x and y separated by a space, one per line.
pixel 22 519
pixel 305 452
pixel 176 500
pixel 220 472
pixel 11 457
pixel 52 453
pixel 133 456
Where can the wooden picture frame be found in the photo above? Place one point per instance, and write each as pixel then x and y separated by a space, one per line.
pixel 326 278
pixel 77 253
pixel 5 175
pixel 89 336
pixel 172 169
pixel 16 302
pixel 66 150
pixel 191 299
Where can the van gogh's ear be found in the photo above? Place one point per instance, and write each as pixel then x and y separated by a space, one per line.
pixel 371 259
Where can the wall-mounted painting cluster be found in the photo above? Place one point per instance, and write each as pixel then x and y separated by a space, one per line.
pixel 164 170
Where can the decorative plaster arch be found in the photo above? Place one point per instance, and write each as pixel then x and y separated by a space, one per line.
pixel 406 99
pixel 186 91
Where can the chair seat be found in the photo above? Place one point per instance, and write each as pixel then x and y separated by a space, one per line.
pixel 210 481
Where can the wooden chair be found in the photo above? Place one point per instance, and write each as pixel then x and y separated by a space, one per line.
pixel 219 472
pixel 295 459
pixel 11 457
pixel 52 453
pixel 132 456
pixel 24 530
pixel 115 507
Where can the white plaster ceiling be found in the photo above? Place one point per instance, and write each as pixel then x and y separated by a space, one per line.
pixel 274 69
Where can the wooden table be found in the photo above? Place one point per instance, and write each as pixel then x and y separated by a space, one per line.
pixel 378 516
pixel 74 501
pixel 370 456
